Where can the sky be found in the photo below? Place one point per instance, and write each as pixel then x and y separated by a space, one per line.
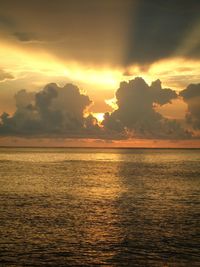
pixel 103 73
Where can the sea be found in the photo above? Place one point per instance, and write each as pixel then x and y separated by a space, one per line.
pixel 99 207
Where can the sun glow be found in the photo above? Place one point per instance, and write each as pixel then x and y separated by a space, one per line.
pixel 172 72
pixel 99 116
pixel 19 63
pixel 104 77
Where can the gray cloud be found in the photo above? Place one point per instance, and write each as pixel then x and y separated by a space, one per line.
pixel 60 112
pixel 191 95
pixel 25 37
pixel 161 29
pixel 5 75
pixel 136 112
pixel 52 111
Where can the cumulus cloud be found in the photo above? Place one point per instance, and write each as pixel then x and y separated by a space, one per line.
pixel 191 95
pixel 5 75
pixel 52 111
pixel 63 112
pixel 136 113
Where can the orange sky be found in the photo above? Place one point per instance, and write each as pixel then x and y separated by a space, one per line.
pixel 34 53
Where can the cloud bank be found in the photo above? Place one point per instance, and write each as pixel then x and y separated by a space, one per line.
pixel 63 112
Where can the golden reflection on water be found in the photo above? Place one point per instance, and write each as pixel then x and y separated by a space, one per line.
pixel 101 207
pixel 101 221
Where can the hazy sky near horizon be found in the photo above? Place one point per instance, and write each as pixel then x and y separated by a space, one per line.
pixel 64 64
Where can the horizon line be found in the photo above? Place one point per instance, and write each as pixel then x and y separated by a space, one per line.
pixel 93 147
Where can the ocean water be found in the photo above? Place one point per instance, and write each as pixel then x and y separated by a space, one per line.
pixel 99 207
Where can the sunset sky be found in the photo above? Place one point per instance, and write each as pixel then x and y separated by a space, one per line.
pixel 119 73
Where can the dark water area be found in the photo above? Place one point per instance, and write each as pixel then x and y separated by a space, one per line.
pixel 99 207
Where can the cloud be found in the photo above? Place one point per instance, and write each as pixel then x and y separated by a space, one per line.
pixel 191 96
pixel 62 112
pixel 5 75
pixel 137 115
pixel 52 111
pixel 163 29
pixel 25 37
pixel 114 32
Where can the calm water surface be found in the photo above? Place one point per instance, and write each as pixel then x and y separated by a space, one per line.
pixel 99 207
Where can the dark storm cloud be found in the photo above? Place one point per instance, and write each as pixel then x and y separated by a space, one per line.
pixel 160 28
pixel 191 95
pixel 52 111
pixel 107 31
pixel 136 112
pixel 5 75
